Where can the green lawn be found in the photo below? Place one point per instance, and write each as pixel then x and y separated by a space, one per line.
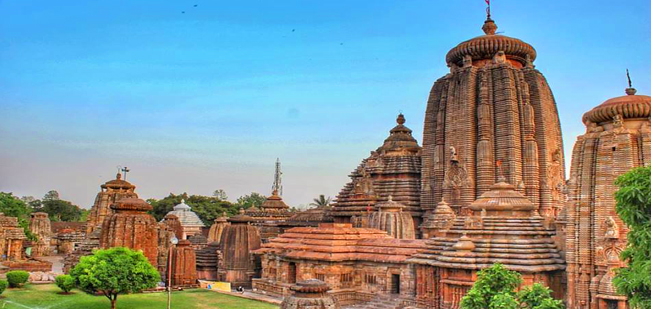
pixel 47 297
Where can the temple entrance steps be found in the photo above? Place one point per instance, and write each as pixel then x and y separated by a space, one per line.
pixel 385 301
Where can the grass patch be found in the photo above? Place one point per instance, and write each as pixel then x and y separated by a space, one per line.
pixel 47 296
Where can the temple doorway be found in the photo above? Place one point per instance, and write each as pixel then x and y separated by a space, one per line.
pixel 291 273
pixel 395 284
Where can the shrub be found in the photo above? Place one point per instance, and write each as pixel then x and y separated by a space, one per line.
pixel 65 283
pixel 17 278
pixel 3 286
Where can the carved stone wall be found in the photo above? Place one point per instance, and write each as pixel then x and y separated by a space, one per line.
pixel 617 139
pixel 110 192
pixel 492 107
pixel 40 226
pixel 184 271
pixel 132 227
pixel 236 263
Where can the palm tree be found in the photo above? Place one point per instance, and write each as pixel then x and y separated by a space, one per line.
pixel 321 201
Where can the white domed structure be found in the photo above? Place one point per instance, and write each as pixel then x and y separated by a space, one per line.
pixel 190 222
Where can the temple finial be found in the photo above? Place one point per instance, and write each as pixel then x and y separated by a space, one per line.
pixel 489 25
pixel 488 9
pixel 400 119
pixel 630 90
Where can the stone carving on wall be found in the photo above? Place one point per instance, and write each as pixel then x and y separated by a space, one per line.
pixel 555 176
pixel 456 176
pixel 612 228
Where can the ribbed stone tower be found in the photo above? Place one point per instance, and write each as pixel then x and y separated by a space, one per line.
pixel 617 139
pixel 236 264
pixel 132 227
pixel 492 106
pixel 111 192
pixel 393 220
pixel 391 170
pixel 216 229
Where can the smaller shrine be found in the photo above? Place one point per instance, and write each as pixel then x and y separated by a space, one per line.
pixel 502 226
pixel 216 229
pixel 40 226
pixel 11 240
pixel 191 224
pixel 207 261
pixel 184 271
pixel 390 218
pixel 309 294
pixel 132 227
pixel 236 264
pixel 110 192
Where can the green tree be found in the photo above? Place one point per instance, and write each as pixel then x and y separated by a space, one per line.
pixel 12 206
pixel 250 200
pixel 51 195
pixel 321 201
pixel 634 208
pixel 114 271
pixel 60 210
pixel 65 283
pixel 208 208
pixel 220 194
pixel 3 286
pixel 496 288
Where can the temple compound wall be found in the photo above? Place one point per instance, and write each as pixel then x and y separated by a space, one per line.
pixel 356 263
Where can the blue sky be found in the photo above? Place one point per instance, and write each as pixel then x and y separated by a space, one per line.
pixel 209 98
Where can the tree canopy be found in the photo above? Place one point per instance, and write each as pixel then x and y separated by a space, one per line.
pixel 321 201
pixel 250 200
pixel 114 271
pixel 208 208
pixel 12 206
pixel 634 208
pixel 496 287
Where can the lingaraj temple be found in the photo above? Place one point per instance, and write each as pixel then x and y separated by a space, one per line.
pixel 415 223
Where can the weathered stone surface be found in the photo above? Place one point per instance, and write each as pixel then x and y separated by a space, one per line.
pixel 11 239
pixel 132 227
pixel 492 107
pixel 355 262
pixel 207 260
pixel 236 264
pixel 392 170
pixel 617 139
pixel 184 271
pixel 391 219
pixel 504 227
pixel 272 211
pixel 111 192
pixel 309 294
pixel 216 229
pixel 67 236
pixel 85 247
pixel 40 226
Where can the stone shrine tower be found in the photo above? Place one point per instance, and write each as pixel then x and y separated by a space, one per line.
pixel 492 107
pixel 111 192
pixel 217 228
pixel 40 225
pixel 132 227
pixel 391 170
pixel 236 264
pixel 617 139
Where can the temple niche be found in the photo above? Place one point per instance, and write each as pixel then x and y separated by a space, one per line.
pixel 40 226
pixel 132 227
pixel 359 264
pixel 110 192
pixel 190 222
pixel 502 226
pixel 617 139
pixel 392 170
pixel 493 106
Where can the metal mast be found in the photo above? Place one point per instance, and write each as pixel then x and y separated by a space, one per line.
pixel 277 187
